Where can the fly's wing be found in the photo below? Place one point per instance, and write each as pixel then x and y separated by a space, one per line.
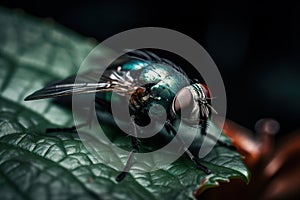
pixel 85 83
pixel 110 81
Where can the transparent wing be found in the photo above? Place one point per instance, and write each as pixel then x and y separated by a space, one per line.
pixel 112 79
pixel 86 83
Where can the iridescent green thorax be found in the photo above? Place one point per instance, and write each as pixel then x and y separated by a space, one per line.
pixel 167 82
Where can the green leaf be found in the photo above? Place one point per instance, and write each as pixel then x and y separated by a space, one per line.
pixel 36 165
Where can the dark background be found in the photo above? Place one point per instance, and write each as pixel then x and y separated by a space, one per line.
pixel 256 45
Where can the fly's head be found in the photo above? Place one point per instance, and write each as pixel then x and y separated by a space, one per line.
pixel 193 104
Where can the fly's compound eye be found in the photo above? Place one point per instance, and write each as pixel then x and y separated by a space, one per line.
pixel 205 89
pixel 192 104
pixel 183 100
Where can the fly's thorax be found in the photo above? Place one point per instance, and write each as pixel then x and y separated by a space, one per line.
pixel 164 92
pixel 192 104
pixel 166 82
pixel 154 73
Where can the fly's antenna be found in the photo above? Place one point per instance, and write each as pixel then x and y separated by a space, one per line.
pixel 212 109
pixel 210 98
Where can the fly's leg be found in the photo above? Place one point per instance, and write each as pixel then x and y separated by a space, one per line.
pixel 129 162
pixel 135 149
pixel 204 125
pixel 195 159
pixel 73 128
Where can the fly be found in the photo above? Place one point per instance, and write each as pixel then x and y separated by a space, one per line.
pixel 146 80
